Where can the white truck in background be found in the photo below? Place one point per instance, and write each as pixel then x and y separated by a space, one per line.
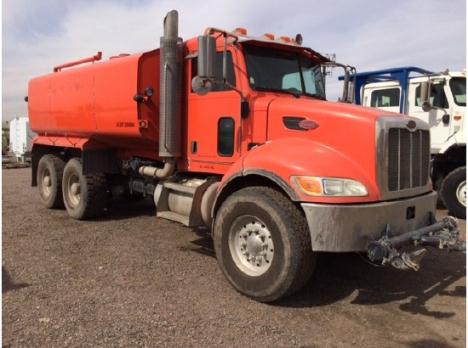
pixel 21 137
pixel 440 100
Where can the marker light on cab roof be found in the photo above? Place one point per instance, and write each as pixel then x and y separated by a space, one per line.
pixel 240 31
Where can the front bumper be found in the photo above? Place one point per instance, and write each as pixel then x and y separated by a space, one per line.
pixel 351 227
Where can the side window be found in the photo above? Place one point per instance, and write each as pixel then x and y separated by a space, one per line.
pixel 231 77
pixel 226 136
pixel 437 97
pixel 385 98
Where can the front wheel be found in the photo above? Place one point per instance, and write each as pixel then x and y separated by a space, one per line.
pixel 262 244
pixel 453 192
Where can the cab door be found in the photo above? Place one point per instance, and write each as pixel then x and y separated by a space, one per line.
pixel 440 128
pixel 213 120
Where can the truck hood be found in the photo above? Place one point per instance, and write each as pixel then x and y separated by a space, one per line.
pixel 349 131
pixel 324 111
pixel 335 122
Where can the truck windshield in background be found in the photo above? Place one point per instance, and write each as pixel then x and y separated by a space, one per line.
pixel 281 71
pixel 458 88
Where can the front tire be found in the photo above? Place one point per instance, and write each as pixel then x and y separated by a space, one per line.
pixel 453 192
pixel 262 244
pixel 84 196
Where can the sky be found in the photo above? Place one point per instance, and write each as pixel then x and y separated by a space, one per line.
pixel 369 34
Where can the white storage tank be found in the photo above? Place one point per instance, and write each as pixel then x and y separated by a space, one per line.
pixel 21 137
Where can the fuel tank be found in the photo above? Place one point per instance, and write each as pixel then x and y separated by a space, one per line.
pixel 96 101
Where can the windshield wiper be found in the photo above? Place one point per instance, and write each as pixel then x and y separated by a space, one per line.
pixel 266 89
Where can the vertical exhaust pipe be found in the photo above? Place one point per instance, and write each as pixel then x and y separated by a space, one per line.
pixel 170 87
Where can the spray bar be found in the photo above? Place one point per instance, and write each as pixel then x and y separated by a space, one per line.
pixel 443 234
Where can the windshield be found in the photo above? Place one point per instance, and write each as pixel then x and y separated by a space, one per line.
pixel 458 88
pixel 270 69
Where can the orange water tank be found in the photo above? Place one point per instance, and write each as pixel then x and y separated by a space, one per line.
pixel 97 101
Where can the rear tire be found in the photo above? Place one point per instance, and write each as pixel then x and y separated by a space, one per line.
pixel 49 181
pixel 85 196
pixel 262 244
pixel 453 192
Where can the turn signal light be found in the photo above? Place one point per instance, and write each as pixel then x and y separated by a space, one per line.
pixel 309 185
pixel 457 117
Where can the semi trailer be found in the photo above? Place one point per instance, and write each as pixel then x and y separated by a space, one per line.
pixel 233 132
pixel 436 98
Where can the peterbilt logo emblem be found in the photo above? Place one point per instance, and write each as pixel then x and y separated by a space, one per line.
pixel 411 125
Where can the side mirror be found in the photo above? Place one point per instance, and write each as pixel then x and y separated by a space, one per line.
pixel 206 57
pixel 203 83
pixel 201 86
pixel 424 96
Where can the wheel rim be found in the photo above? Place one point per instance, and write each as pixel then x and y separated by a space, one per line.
pixel 73 190
pixel 46 183
pixel 251 245
pixel 461 193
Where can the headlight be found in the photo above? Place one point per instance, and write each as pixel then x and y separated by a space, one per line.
pixel 334 187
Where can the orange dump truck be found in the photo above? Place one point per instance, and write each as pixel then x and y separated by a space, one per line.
pixel 234 132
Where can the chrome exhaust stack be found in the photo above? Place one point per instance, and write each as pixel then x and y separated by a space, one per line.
pixel 170 86
pixel 170 115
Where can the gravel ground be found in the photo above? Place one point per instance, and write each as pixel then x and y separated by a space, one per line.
pixel 132 280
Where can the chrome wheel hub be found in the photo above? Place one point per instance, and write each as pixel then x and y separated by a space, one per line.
pixel 73 190
pixel 251 246
pixel 47 181
pixel 46 186
pixel 461 193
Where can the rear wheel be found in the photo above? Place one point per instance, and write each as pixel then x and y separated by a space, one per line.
pixel 49 180
pixel 262 244
pixel 84 196
pixel 453 192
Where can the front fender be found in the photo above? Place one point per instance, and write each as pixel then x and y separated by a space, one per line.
pixel 286 157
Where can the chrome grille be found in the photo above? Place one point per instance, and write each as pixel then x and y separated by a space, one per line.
pixel 408 160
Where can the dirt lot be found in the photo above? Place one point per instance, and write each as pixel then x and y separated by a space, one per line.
pixel 130 279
